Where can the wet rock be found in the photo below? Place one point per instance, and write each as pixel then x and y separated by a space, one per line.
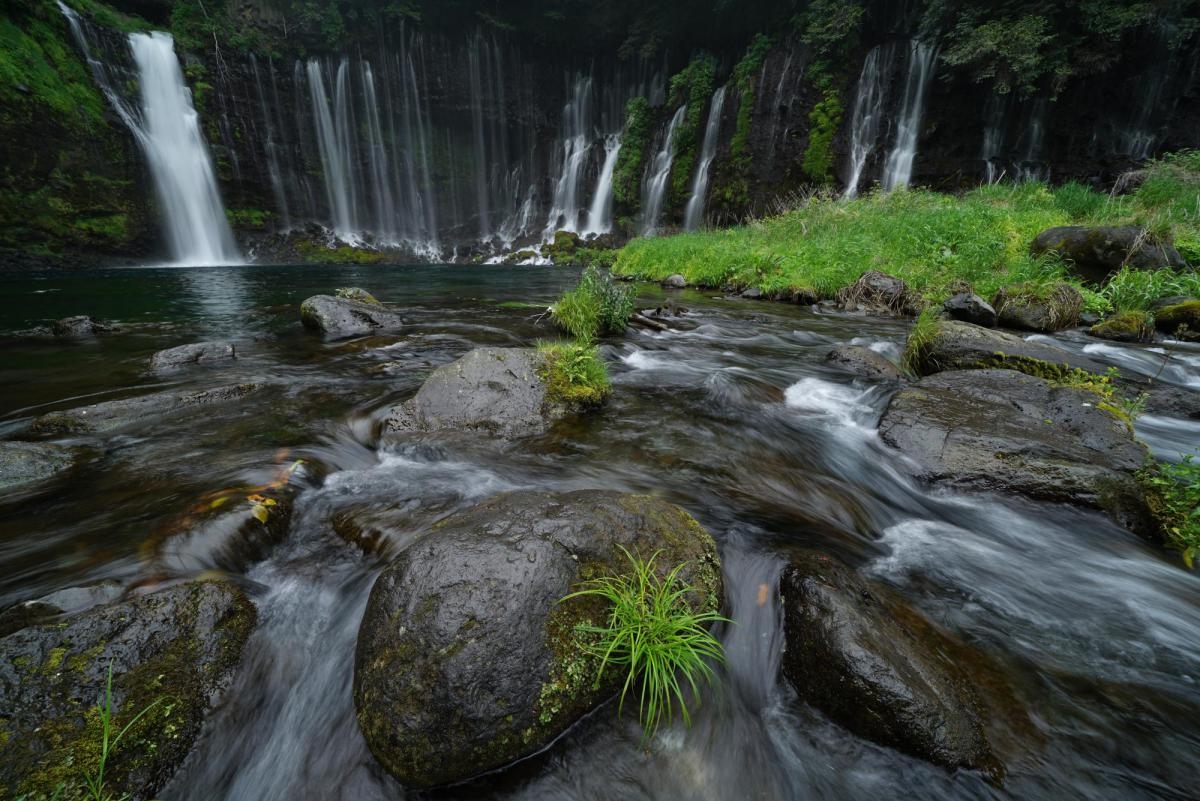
pixel 675 281
pixel 970 308
pixel 340 317
pixel 877 668
pixel 465 660
pixel 1007 432
pixel 179 645
pixel 356 294
pixel 753 293
pixel 195 353
pixel 1164 399
pixel 1126 327
pixel 875 293
pixel 493 390
pixel 110 415
pixel 63 602
pixel 863 362
pixel 23 464
pixel 963 346
pixel 1096 252
pixel 78 326
pixel 1181 320
pixel 1036 309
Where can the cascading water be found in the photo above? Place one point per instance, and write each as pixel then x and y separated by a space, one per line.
pixel 332 137
pixel 576 145
pixel 600 213
pixel 694 213
pixel 654 191
pixel 1031 168
pixel 867 121
pixel 898 168
pixel 993 137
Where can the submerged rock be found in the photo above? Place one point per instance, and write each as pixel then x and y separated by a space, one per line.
pixel 111 415
pixel 493 390
pixel 1096 252
pixel 1004 431
pixel 970 308
pixel 195 353
pixel 1036 309
pixel 878 668
pixel 342 317
pixel 175 648
pixel 863 362
pixel 23 464
pixel 466 661
pixel 78 326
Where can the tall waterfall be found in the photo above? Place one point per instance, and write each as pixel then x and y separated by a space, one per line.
pixel 654 191
pixel 995 118
pixel 898 169
pixel 567 205
pixel 694 213
pixel 600 213
pixel 333 136
pixel 867 120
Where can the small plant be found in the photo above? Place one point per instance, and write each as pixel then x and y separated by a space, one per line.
pixel 96 788
pixel 596 307
pixel 1174 494
pixel 574 374
pixel 916 349
pixel 654 634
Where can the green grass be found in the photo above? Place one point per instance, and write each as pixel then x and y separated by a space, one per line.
pixel 596 307
pixel 1136 290
pixel 655 635
pixel 919 340
pixel 1174 492
pixel 574 373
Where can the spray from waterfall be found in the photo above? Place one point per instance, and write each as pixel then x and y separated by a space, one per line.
pixel 694 213
pixel 655 189
pixel 898 168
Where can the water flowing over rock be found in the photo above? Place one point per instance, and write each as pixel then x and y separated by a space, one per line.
pixel 863 362
pixel 868 117
pixel 898 169
pixel 654 191
pixel 30 463
pixel 77 326
pixel 109 416
pixel 465 660
pixel 195 353
pixel 963 346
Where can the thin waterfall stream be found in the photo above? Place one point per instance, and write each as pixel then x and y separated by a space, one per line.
pixel 694 213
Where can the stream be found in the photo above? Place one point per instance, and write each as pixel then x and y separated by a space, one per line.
pixel 736 419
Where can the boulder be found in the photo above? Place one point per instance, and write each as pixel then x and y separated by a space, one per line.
pixel 1096 252
pixel 675 281
pixel 1036 309
pixel 357 294
pixel 877 668
pixel 177 647
pixel 1125 327
pixel 1180 320
pixel 1011 433
pixel 875 293
pixel 863 362
pixel 753 293
pixel 111 415
pixel 62 602
pixel 78 326
pixel 970 308
pixel 963 346
pixel 23 464
pixel 493 390
pixel 195 353
pixel 337 318
pixel 466 660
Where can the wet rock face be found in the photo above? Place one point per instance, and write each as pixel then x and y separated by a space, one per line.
pixel 1096 252
pixel 465 660
pixel 863 362
pixel 338 317
pixel 970 308
pixel 1004 431
pixel 24 465
pixel 877 668
pixel 963 346
pixel 180 645
pixel 493 390
pixel 110 415
pixel 1180 320
pixel 195 353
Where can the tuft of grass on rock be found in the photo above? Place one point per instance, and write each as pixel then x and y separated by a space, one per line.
pixel 574 373
pixel 920 339
pixel 596 307
pixel 1173 491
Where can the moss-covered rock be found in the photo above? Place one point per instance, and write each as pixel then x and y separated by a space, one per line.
pixel 563 249
pixel 1125 327
pixel 466 660
pixel 1180 319
pixel 171 651
pixel 357 294
pixel 1030 307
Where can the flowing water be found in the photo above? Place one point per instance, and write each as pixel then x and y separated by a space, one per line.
pixel 658 177
pixel 867 121
pixel 897 170
pixel 1095 634
pixel 694 213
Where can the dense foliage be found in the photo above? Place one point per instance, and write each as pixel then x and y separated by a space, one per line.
pixel 692 87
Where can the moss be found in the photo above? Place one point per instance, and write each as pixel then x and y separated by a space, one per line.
pixel 249 219
pixel 317 253
pixel 1185 316
pixel 1134 326
pixel 693 87
pixel 627 174
pixel 1062 303
pixel 355 293
pixel 823 121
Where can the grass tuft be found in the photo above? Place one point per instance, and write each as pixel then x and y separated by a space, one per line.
pixel 1174 494
pixel 574 373
pixel 596 307
pixel 916 349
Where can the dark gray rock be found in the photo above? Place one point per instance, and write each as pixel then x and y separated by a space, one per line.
pixel 78 326
pixel 963 346
pixel 494 390
pixel 111 415
pixel 195 353
pixel 1031 309
pixel 863 362
pixel 63 602
pixel 179 645
pixel 337 318
pixel 1007 432
pixel 675 281
pixel 875 292
pixel 466 661
pixel 23 464
pixel 1096 252
pixel 877 668
pixel 1180 320
pixel 753 293
pixel 970 308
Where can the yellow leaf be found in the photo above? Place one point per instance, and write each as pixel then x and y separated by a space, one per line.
pixel 219 502
pixel 260 513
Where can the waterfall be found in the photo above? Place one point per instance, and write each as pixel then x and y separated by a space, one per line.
pixel 271 148
pixel 576 144
pixel 600 213
pixel 995 116
pixel 867 120
pixel 332 139
pixel 708 150
pixel 1030 167
pixel 899 166
pixel 655 189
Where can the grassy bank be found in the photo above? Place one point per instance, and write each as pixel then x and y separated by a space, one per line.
pixel 935 242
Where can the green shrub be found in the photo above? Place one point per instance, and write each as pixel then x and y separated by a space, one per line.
pixel 654 634
pixel 574 373
pixel 920 338
pixel 823 123
pixel 1137 290
pixel 693 86
pixel 1174 494
pixel 596 307
pixel 627 174
pixel 1081 203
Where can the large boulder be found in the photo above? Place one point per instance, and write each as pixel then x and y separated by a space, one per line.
pixel 337 318
pixel 467 661
pixel 1008 432
pixel 877 668
pixel 494 390
pixel 1030 308
pixel 111 415
pixel 1180 320
pixel 863 362
pixel 1096 252
pixel 195 353
pixel 963 346
pixel 970 308
pixel 25 464
pixel 177 647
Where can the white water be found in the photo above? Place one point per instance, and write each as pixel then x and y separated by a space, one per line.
pixel 708 150
pixel 993 137
pixel 898 169
pixel 655 189
pixel 867 121
pixel 576 144
pixel 336 158
pixel 600 213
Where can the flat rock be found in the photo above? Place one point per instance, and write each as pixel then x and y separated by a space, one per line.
pixel 110 415
pixel 61 602
pixel 195 353
pixel 337 318
pixel 26 464
pixel 466 661
pixel 863 362
pixel 178 646
pixel 963 346
pixel 1007 432
pixel 1098 251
